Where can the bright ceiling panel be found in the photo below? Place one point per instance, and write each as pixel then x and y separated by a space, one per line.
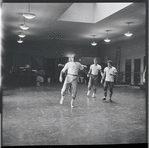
pixel 91 12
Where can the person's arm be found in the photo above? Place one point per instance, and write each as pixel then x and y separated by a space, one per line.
pixel 60 77
pixel 101 72
pixel 100 69
pixel 84 65
pixel 89 72
pixel 81 67
pixel 62 65
pixel 103 76
pixel 114 72
pixel 63 71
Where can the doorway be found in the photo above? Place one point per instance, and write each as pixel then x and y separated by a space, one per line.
pixel 137 67
pixel 128 71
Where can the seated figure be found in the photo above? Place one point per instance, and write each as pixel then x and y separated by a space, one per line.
pixel 40 77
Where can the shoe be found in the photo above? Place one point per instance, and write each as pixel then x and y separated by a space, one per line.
pixel 93 95
pixel 104 98
pixel 110 99
pixel 88 93
pixel 62 99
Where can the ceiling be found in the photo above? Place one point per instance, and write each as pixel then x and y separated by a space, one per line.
pixel 73 22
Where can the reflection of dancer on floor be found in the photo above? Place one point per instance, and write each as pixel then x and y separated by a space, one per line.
pixel 72 68
pixel 109 74
pixel 93 79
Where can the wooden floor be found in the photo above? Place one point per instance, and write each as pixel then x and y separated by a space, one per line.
pixel 33 116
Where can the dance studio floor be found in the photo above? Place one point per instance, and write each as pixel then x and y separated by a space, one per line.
pixel 33 116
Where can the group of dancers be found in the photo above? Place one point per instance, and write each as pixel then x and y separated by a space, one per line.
pixel 71 69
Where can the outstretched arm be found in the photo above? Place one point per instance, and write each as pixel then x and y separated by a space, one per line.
pixel 61 65
pixel 84 65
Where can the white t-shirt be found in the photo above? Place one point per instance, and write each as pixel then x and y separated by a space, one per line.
pixel 95 69
pixel 72 67
pixel 109 71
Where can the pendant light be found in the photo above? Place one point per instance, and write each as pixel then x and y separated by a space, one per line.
pixel 128 34
pixel 93 43
pixel 107 39
pixel 20 41
pixel 23 26
pixel 29 15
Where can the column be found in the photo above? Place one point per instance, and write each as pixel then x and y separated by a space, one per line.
pixel 132 72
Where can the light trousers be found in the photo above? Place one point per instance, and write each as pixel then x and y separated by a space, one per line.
pixel 70 80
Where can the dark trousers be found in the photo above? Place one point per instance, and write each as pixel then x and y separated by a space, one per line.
pixel 110 85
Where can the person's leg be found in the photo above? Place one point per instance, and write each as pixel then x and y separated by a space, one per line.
pixel 85 80
pixel 89 85
pixel 69 89
pixel 78 79
pixel 105 90
pixel 82 80
pixel 111 85
pixel 95 82
pixel 63 90
pixel 74 91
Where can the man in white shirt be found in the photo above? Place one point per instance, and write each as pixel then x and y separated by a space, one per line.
pixel 93 80
pixel 72 68
pixel 109 74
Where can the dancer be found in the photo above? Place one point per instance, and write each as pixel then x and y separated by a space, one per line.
pixel 62 65
pixel 109 74
pixel 93 79
pixel 72 68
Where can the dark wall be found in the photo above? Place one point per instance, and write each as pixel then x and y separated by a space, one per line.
pixel 34 50
pixel 7 60
pixel 43 54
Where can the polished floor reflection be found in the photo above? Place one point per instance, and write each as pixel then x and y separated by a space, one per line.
pixel 33 116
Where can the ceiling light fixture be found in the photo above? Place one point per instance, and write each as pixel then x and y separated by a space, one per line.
pixel 128 34
pixel 93 43
pixel 107 39
pixel 29 15
pixel 23 26
pixel 20 41
pixel 21 35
